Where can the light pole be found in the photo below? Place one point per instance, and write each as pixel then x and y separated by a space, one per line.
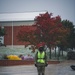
pixel 12 34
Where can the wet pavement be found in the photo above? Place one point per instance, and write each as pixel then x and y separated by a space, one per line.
pixel 53 69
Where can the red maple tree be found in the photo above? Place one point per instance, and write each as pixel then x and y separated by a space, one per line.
pixel 46 29
pixel 49 29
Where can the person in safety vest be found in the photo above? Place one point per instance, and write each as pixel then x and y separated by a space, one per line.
pixel 41 60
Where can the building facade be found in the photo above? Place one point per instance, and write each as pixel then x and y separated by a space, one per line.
pixel 11 23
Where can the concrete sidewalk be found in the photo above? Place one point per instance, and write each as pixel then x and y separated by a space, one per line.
pixel 53 69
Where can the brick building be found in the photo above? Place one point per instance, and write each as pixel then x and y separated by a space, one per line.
pixel 11 23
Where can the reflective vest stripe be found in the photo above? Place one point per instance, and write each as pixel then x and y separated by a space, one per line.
pixel 41 57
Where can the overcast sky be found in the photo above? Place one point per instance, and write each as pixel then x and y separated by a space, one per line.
pixel 63 8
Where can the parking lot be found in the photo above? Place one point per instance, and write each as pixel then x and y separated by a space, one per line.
pixel 53 69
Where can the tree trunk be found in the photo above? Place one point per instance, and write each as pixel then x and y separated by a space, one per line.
pixel 50 52
pixel 55 51
pixel 62 52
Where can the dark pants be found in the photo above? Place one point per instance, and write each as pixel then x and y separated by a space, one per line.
pixel 41 69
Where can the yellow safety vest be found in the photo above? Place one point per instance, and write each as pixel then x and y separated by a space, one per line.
pixel 41 57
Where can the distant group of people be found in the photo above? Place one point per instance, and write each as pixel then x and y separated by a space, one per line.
pixel 26 57
pixel 20 57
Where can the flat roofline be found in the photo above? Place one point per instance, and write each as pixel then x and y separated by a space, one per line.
pixel 18 21
pixel 27 16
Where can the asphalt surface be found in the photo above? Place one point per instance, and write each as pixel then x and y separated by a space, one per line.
pixel 53 69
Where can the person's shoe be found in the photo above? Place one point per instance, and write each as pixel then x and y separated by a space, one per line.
pixel 42 73
pixel 73 67
pixel 39 74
